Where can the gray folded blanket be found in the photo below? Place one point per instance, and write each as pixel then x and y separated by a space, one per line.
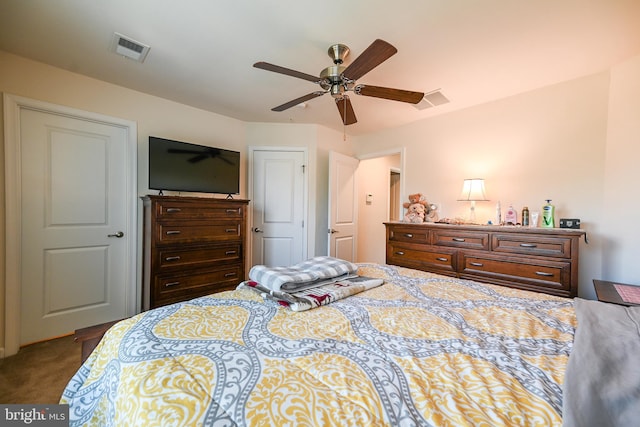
pixel 307 274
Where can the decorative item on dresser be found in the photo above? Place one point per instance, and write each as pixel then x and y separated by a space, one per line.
pixel 192 246
pixel 534 259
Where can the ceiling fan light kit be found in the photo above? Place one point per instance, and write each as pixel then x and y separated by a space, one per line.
pixel 337 79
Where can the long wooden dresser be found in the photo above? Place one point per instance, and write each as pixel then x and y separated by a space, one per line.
pixel 192 246
pixel 535 259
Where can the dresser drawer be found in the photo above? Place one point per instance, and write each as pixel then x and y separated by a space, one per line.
pixel 198 256
pixel 443 260
pixel 461 239
pixel 197 231
pixel 177 209
pixel 178 287
pixel 408 234
pixel 532 245
pixel 526 273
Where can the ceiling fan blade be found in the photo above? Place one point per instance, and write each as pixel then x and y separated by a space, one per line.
pixel 389 93
pixel 287 71
pixel 297 101
pixel 347 114
pixel 198 158
pixel 377 52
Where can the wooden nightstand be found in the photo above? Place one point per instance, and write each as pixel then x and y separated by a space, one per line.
pixel 607 293
pixel 90 336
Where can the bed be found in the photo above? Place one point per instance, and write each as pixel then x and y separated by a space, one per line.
pixel 421 349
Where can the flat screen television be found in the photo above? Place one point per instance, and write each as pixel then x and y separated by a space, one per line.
pixel 181 166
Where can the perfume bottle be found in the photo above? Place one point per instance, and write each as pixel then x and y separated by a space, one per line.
pixel 525 216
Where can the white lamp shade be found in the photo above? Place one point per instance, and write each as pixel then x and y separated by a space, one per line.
pixel 473 190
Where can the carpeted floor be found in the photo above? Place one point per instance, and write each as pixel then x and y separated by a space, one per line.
pixel 39 372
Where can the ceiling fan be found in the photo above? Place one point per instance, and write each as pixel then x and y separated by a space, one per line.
pixel 338 79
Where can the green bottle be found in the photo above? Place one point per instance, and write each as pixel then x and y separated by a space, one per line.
pixel 547 215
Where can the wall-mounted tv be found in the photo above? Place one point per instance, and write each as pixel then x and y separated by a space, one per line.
pixel 181 166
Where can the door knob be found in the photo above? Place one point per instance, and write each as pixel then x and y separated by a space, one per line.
pixel 119 234
pixel 331 230
pixel 258 230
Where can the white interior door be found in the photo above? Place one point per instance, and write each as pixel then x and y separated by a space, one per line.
pixel 343 206
pixel 278 213
pixel 74 223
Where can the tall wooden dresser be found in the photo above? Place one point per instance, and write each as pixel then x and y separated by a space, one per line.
pixel 192 246
pixel 535 259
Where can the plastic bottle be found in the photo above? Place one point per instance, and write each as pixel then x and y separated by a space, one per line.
pixel 511 217
pixel 525 216
pixel 498 214
pixel 548 215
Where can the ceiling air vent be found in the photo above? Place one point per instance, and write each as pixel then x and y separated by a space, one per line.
pixel 431 99
pixel 126 46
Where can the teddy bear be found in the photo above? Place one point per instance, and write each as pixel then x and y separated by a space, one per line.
pixel 429 214
pixel 415 198
pixel 415 213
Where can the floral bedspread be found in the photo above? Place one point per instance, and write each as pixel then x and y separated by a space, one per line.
pixel 421 349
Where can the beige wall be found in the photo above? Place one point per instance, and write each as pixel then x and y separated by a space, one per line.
pixel 569 142
pixel 620 229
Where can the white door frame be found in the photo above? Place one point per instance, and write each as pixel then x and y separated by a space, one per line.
pixel 251 149
pixel 13 211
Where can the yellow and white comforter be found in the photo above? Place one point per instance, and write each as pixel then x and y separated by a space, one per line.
pixel 422 349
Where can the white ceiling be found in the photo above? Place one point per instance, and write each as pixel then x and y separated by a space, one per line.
pixel 202 51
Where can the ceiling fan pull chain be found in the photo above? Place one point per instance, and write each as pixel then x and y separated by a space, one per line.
pixel 344 120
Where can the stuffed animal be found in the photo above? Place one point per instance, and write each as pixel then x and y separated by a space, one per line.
pixel 431 215
pixel 415 213
pixel 415 198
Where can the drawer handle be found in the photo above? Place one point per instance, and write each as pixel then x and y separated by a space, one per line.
pixel 172 258
pixel 458 239
pixel 170 284
pixel 230 253
pixel 173 210
pixel 230 275
pixel 231 230
pixel 399 253
pixel 528 245
pixel 477 264
pixel 442 259
pixel 170 232
pixel 232 211
pixel 542 273
pixel 409 235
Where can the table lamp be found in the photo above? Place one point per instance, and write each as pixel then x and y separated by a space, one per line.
pixel 473 191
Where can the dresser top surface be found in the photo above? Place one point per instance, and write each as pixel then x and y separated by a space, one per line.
pixel 494 228
pixel 193 199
